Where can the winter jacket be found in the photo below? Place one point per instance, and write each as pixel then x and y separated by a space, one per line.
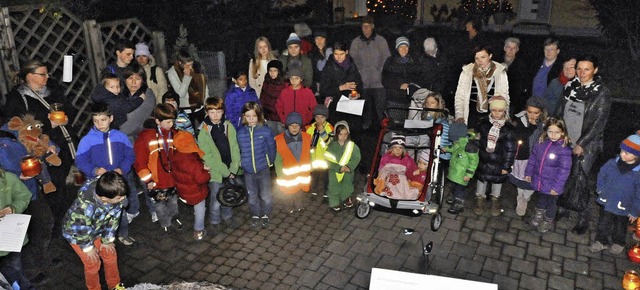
pixel 110 150
pixel 269 97
pixel 13 194
pixel 404 160
pixel 433 72
pixel 133 126
pixel 257 148
pixel 527 136
pixel 302 101
pixel 192 179
pixel 395 73
pixel 234 99
pixel 334 76
pixel 549 166
pixel 89 218
pixel 369 55
pixel 553 94
pixel 319 61
pixel 619 192
pixel 307 67
pixel 159 85
pixel 120 104
pixel 256 81
pixel 518 86
pixel 463 91
pixel 11 153
pixel 491 164
pixel 464 160
pixel 212 158
pixel 153 162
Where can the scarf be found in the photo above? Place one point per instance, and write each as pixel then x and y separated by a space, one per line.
pixel 624 166
pixel 197 87
pixel 345 64
pixel 403 59
pixel 563 79
pixel 494 133
pixel 576 92
pixel 484 79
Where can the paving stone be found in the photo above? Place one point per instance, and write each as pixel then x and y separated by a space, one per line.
pixel 361 279
pixel 560 283
pixel 549 267
pixel 534 283
pixel 505 282
pixel 338 247
pixel 612 282
pixel 603 267
pixel 488 251
pixel 267 286
pixel 337 262
pixel 528 237
pixel 240 283
pixel 539 251
pixel 513 251
pixel 469 266
pixel 481 237
pixel 523 266
pixel 442 265
pixel 463 250
pixel 496 266
pixel 576 266
pixel 589 282
pixel 505 237
pixel 554 238
pixel 336 279
pixel 499 224
pixel 310 278
pixel 478 224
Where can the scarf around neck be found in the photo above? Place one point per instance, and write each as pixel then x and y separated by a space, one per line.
pixel 575 91
pixel 484 79
pixel 494 133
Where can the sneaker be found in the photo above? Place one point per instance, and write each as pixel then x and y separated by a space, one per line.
pixel 120 286
pixel 127 241
pixel 348 203
pixel 265 221
pixel 616 249
pixel 255 222
pixel 179 224
pixel 597 247
pixel 154 217
pixel 130 217
pixel 199 235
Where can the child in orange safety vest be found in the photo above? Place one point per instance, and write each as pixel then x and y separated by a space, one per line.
pixel 293 162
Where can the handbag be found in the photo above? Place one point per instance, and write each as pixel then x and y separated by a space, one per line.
pixel 231 194
pixel 576 191
pixel 162 194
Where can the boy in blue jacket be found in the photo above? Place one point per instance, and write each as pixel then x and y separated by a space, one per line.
pixel 618 189
pixel 104 149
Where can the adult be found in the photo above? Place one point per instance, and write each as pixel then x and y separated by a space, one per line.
pixel 294 59
pixel 369 52
pixel 319 55
pixel 340 78
pixel 474 40
pixel 478 82
pixel 156 80
pixel 548 69
pixel 262 55
pixel 553 93
pixel 433 66
pixel 189 85
pixel 400 75
pixel 585 109
pixel 33 96
pixel 516 70
pixel 124 50
pixel 304 32
pixel 135 85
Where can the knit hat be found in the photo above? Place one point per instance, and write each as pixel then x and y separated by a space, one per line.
pixel 170 94
pixel 424 156
pixel 293 39
pixel 537 102
pixel 185 143
pixel 402 41
pixel 397 140
pixel 275 63
pixel 457 131
pixel 142 49
pixel 497 102
pixel 293 118
pixel 320 109
pixel 295 72
pixel 343 123
pixel 320 33
pixel 632 144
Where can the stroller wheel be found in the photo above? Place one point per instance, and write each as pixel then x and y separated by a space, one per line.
pixel 362 210
pixel 436 222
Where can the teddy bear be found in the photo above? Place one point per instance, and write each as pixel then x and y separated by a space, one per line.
pixel 29 133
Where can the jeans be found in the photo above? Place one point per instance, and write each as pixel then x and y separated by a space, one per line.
pixel 481 189
pixel 216 210
pixel 166 210
pixel 11 268
pixel 459 190
pixel 611 225
pixel 198 215
pixel 548 203
pixel 259 187
pixel 92 268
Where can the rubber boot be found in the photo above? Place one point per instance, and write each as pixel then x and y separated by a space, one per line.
pixel 495 206
pixel 479 206
pixel 521 208
pixel 537 217
pixel 457 206
pixel 582 225
pixel 545 225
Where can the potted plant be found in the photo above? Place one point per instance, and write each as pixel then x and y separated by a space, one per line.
pixel 503 12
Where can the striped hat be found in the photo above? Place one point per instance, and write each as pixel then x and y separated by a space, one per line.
pixel 397 140
pixel 632 144
pixel 402 41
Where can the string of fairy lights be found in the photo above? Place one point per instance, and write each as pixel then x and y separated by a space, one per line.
pixel 407 8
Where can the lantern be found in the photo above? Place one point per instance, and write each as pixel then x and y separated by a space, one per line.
pixel 634 254
pixel 30 166
pixel 56 113
pixel 631 280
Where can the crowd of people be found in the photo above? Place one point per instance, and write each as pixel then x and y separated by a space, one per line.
pixel 164 137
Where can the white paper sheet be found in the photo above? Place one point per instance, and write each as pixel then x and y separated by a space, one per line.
pixel 13 229
pixel 67 69
pixel 382 279
pixel 350 106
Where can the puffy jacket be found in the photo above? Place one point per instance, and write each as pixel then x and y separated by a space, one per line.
pixel 234 99
pixel 491 164
pixel 11 153
pixel 549 166
pixel 153 163
pixel 302 101
pixel 307 67
pixel 257 148
pixel 269 97
pixel 110 150
pixel 212 158
pixel 463 91
pixel 395 73
pixel 619 192
pixel 192 179
pixel 464 160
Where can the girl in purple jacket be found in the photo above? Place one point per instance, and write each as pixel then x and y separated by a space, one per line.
pixel 548 169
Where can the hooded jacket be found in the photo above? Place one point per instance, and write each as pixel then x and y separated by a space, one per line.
pixel 191 178
pixel 619 192
pixel 301 100
pixel 234 99
pixel 257 148
pixel 549 166
pixel 109 150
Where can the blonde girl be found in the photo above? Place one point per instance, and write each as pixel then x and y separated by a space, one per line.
pixel 262 55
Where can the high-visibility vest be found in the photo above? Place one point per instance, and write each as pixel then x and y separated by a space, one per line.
pixel 346 156
pixel 297 175
pixel 317 154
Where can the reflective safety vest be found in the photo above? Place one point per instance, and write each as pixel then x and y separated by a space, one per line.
pixel 297 175
pixel 317 154
pixel 346 156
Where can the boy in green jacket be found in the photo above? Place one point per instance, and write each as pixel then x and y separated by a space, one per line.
pixel 464 161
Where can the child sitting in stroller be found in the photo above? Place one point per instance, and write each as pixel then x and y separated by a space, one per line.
pixel 395 172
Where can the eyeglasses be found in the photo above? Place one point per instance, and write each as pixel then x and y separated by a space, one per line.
pixel 42 74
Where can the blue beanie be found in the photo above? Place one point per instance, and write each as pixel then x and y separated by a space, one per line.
pixel 294 118
pixel 632 144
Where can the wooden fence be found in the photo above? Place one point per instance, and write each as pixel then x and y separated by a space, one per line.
pixel 26 33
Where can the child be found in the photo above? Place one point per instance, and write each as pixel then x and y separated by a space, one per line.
pixel 343 156
pixel 464 161
pixel 435 101
pixel 548 169
pixel 320 131
pixel 293 162
pixel 104 149
pixel 192 178
pixel 238 94
pixel 395 171
pixel 420 175
pixel 217 138
pixel 296 97
pixel 120 104
pixel 182 120
pixel 154 162
pixel 497 150
pixel 274 83
pixel 90 227
pixel 527 133
pixel 257 154
pixel 618 188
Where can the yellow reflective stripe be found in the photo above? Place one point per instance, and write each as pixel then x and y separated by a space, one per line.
pixel 294 182
pixel 346 156
pixel 330 157
pixel 319 164
pixel 296 169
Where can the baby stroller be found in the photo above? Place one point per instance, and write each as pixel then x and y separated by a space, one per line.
pixel 430 198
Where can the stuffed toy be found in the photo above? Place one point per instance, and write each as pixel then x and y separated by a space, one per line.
pixel 39 145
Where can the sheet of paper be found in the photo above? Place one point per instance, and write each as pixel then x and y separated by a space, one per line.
pixel 350 106
pixel 13 229
pixel 417 124
pixel 397 280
